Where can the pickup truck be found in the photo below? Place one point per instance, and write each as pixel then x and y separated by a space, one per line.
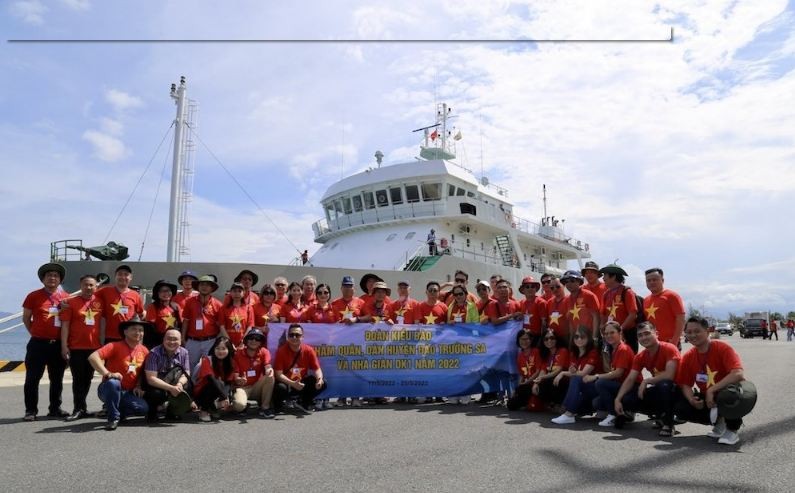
pixel 753 327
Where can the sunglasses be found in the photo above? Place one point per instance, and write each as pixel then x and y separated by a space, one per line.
pixel 322 292
pixel 459 294
pixel 546 282
pixel 280 285
pixel 549 338
pixel 557 286
pixel 580 336
pixel 461 280
pixel 269 293
pixel 294 335
pixel 433 290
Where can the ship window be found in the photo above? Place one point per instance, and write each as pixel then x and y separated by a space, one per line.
pixel 330 211
pixel 470 194
pixel 391 237
pixel 357 203
pixel 481 246
pixel 431 191
pixel 337 206
pixel 368 200
pixel 346 205
pixel 468 243
pixel 460 192
pixel 396 194
pixel 452 238
pixel 412 193
pixel 380 198
pixel 410 235
pixel 450 190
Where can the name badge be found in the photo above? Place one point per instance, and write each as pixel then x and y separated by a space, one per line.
pixel 251 373
pixel 296 371
pixel 349 316
pixel 89 320
pixel 458 319
pixel 123 310
pixel 400 319
pixel 131 368
pixel 610 318
pixel 199 325
pixel 53 310
pixel 701 378
pixel 555 314
pixel 526 318
pixel 57 322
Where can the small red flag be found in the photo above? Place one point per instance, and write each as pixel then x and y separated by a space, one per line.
pixel 434 135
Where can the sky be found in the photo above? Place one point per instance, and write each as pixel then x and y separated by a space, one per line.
pixel 672 154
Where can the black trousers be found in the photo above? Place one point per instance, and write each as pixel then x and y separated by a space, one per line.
pixel 154 397
pixel 521 397
pixel 41 354
pixel 281 392
pixel 214 389
pixel 550 394
pixel 658 401
pixel 82 373
pixel 685 411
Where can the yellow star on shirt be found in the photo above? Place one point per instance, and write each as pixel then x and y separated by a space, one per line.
pixel 575 312
pixel 346 313
pixel 51 314
pixel 400 312
pixel 553 319
pixel 266 318
pixel 117 307
pixel 236 319
pixel 90 314
pixel 170 320
pixel 650 311
pixel 430 318
pixel 613 309
pixel 710 377
pixel 377 319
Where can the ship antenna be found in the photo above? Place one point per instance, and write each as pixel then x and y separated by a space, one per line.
pixel 545 202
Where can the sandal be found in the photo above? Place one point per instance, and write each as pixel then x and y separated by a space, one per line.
pixel 666 431
pixel 29 417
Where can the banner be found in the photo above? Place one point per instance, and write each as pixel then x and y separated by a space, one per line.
pixel 381 360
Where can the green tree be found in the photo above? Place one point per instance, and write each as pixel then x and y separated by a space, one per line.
pixel 735 320
pixel 791 315
pixel 693 311
pixel 776 316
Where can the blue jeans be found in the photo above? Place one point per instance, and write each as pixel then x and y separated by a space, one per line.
pixel 120 403
pixel 579 396
pixel 607 390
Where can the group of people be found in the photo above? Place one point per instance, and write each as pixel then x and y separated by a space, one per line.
pixel 192 350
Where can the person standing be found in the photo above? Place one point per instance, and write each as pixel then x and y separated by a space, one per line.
pixel 41 317
pixel 236 316
pixel 790 329
pixel 503 308
pixel 163 312
pixel 347 307
pixel 120 303
pixel 431 311
pixel 201 319
pixel 664 308
pixel 121 363
pixel 582 307
pixel 592 274
pixel 186 281
pixel 534 309
pixel 556 309
pixel 431 241
pixel 773 329
pixel 402 310
pixel 80 317
pixel 619 304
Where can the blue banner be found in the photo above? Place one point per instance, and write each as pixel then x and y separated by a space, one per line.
pixel 381 360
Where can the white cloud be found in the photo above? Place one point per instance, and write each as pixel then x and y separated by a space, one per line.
pixel 106 147
pixel 122 101
pixel 382 22
pixel 111 126
pixel 30 11
pixel 77 4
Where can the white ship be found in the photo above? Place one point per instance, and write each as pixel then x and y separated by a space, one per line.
pixel 375 221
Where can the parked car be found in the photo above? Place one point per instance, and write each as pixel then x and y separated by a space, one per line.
pixel 724 328
pixel 753 327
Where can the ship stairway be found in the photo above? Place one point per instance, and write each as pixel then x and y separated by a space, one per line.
pixel 506 250
pixel 420 263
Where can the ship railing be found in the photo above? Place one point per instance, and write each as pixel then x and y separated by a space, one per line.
pixel 476 256
pixel 407 257
pixel 549 232
pixel 66 250
pixel 11 322
pixel 379 214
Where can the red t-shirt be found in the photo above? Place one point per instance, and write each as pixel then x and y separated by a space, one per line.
pixel 655 363
pixel 83 316
pixel 482 304
pixel 705 370
pixel 526 362
pixel 236 320
pixel 623 356
pixel 281 301
pixel 497 309
pixel 317 314
pixel 119 357
pixel 590 358
pixel 118 307
pixel 252 367
pixel 206 370
pixel 164 317
pixel 617 307
pixel 558 359
pixel 250 299
pixel 180 298
pixel 292 314
pixel 263 314
pixel 556 314
pixel 203 319
pixel 547 296
pixel 347 308
pixel 580 309
pixel 306 361
pixel 402 312
pixel 599 289
pixel 426 314
pixel 661 310
pixel 45 322
pixel 535 311
pixel 377 312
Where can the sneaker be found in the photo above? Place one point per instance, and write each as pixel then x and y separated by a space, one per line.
pixel 79 414
pixel 29 417
pixel 666 431
pixel 719 430
pixel 564 419
pixel 608 421
pixel 302 408
pixel 57 413
pixel 729 438
pixel 356 402
pixel 464 400
pixel 267 413
pixel 327 404
pixel 453 400
pixel 340 402
pixel 204 417
pixel 112 425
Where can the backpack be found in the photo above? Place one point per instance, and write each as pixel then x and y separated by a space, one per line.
pixel 639 302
